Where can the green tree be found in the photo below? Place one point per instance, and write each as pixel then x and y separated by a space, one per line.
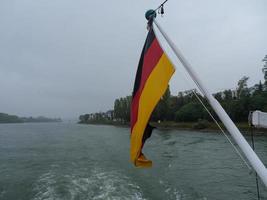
pixel 242 87
pixel 258 88
pixel 86 117
pixel 163 109
pixel 122 107
pixel 81 118
pixel 190 112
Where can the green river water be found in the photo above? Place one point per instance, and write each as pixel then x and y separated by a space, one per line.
pixel 52 161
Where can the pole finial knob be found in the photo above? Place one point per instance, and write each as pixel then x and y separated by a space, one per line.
pixel 150 14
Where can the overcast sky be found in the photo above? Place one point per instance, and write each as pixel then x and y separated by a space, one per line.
pixel 63 58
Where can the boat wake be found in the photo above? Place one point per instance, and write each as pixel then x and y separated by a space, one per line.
pixel 97 185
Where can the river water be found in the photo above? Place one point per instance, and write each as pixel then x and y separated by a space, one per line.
pixel 43 161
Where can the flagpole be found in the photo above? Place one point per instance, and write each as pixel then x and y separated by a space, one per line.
pixel 252 157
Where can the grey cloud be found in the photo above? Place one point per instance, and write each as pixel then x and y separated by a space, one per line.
pixel 63 58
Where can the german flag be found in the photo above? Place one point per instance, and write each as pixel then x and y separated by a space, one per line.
pixel 151 81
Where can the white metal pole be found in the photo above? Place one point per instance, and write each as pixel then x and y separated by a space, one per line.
pixel 231 127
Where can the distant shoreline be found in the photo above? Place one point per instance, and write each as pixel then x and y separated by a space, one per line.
pixel 9 119
pixel 29 122
pixel 188 126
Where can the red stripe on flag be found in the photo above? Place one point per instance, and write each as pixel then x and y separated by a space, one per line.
pixel 151 59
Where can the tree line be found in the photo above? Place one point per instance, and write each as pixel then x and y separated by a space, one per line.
pixel 185 107
pixel 6 118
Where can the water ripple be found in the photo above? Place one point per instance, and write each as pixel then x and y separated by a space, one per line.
pixel 98 185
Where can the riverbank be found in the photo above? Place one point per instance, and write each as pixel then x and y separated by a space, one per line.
pixel 7 118
pixel 190 126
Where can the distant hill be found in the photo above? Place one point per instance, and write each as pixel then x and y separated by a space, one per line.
pixel 6 118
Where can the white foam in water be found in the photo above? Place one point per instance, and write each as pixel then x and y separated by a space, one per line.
pixel 45 187
pixel 174 193
pixel 107 185
pixel 97 186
